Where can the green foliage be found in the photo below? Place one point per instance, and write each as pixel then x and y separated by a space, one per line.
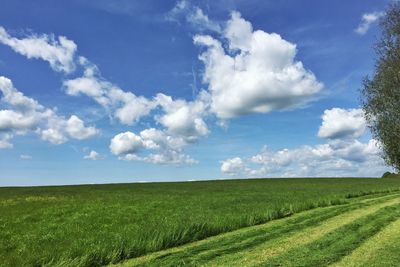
pixel 390 175
pixel 381 94
pixel 387 174
pixel 93 225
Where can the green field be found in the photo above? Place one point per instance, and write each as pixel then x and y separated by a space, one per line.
pixel 330 236
pixel 92 225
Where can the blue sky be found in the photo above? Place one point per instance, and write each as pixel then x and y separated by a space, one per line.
pixel 127 91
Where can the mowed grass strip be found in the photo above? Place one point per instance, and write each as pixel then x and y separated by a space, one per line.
pixel 383 249
pixel 273 248
pixel 239 240
pixel 335 245
pixel 233 248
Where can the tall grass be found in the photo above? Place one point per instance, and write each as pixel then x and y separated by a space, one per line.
pixel 93 225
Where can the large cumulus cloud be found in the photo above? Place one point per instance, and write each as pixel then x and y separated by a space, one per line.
pixel 258 72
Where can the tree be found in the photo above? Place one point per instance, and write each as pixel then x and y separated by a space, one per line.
pixel 380 95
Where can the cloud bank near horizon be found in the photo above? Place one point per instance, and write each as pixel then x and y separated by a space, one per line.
pixel 342 153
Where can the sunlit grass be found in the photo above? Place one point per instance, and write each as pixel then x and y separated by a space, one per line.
pixel 94 225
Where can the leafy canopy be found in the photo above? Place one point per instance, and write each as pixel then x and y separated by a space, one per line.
pixel 381 93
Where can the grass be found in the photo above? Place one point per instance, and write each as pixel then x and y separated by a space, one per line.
pixel 254 246
pixel 95 225
pixel 381 250
pixel 334 245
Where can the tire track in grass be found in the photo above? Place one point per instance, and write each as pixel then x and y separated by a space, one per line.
pixel 383 249
pixel 237 242
pixel 339 243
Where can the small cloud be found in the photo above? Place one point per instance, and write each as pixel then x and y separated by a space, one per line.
pixel 223 124
pixel 233 166
pixel 367 20
pixel 93 155
pixel 338 123
pixel 184 11
pixel 59 52
pixel 5 141
pixel 25 157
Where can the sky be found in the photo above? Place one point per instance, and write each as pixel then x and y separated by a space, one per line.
pixel 142 91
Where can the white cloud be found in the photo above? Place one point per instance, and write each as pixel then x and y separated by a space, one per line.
pixel 342 155
pixel 16 98
pixel 184 118
pixel 126 143
pixel 130 157
pixel 5 141
pixel 59 53
pixel 12 120
pixel 180 117
pixel 157 139
pixel 342 123
pixel 257 74
pixel 25 157
pixel 232 166
pixel 93 155
pixel 185 12
pixel 25 115
pixel 125 106
pixel 367 20
pixel 53 136
pixel 60 129
pixel 11 96
pixel 151 145
pixel 336 159
pixel 168 149
pixel 75 128
pixel 170 157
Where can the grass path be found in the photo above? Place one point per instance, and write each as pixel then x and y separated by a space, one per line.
pixel 302 238
pixel 336 244
pixel 381 250
pixel 289 241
